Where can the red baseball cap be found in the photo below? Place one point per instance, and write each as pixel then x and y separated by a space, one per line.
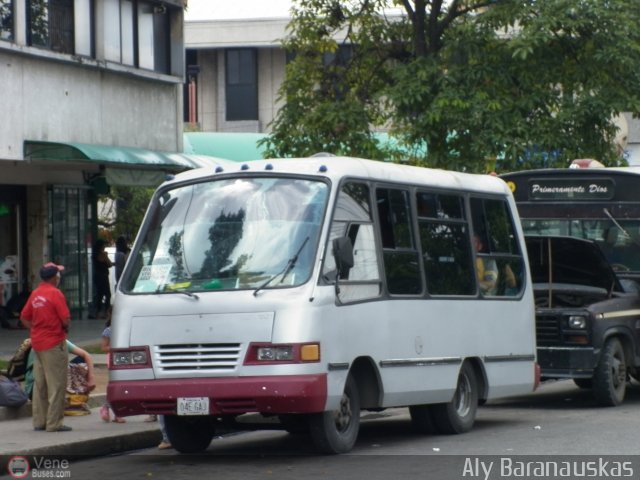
pixel 49 270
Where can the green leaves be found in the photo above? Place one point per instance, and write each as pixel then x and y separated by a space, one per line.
pixel 506 84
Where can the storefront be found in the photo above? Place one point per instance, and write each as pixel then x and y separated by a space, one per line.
pixel 12 241
pixel 49 210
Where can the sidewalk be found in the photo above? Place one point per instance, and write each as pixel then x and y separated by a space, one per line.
pixel 90 436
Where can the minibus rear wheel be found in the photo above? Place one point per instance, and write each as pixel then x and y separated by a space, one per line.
pixel 189 434
pixel 459 415
pixel 336 431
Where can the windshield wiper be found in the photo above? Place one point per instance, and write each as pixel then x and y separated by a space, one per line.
pixel 622 229
pixel 182 291
pixel 285 271
pixel 187 293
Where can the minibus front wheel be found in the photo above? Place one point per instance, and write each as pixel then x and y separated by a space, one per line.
pixel 336 431
pixel 189 434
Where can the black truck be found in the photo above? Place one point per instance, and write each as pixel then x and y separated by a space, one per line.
pixel 587 316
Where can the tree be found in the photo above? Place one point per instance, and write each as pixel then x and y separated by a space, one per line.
pixel 474 85
pixel 122 212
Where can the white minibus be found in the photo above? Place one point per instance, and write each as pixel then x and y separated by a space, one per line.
pixel 309 290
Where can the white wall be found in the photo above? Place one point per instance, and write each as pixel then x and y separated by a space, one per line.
pixel 49 101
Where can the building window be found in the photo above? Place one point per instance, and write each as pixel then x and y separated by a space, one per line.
pixel 51 25
pixel 190 103
pixel 118 19
pixel 241 84
pixel 6 20
pixel 127 33
pixel 153 37
pixel 83 13
pixel 137 34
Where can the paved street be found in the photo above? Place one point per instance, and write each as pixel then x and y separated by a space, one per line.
pixel 559 419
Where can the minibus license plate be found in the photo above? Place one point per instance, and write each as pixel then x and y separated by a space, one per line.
pixel 193 406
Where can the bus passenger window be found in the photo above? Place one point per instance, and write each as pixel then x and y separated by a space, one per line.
pixel 445 245
pixel 401 258
pixel 494 231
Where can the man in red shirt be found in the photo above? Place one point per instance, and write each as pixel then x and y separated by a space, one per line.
pixel 47 314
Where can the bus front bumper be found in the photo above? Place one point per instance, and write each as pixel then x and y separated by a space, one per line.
pixel 227 395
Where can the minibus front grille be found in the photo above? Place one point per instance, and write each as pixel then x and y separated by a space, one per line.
pixel 197 356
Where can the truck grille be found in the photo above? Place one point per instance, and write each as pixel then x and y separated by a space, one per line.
pixel 198 356
pixel 548 329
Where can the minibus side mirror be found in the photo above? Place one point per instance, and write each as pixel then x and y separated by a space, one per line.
pixel 343 254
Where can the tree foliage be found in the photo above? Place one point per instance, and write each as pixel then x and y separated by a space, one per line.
pixel 473 85
pixel 122 212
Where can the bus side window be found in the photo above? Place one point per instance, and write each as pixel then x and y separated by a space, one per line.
pixel 352 218
pixel 446 250
pixel 493 224
pixel 401 258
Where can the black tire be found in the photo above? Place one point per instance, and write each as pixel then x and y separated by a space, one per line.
pixel 459 415
pixel 610 377
pixel 585 383
pixel 294 423
pixel 337 431
pixel 421 419
pixel 189 434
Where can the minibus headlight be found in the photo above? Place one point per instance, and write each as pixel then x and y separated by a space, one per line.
pixel 138 357
pixel 266 353
pixel 122 358
pixel 131 357
pixel 577 322
pixel 270 354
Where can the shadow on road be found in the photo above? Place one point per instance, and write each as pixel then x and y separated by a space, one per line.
pixel 562 395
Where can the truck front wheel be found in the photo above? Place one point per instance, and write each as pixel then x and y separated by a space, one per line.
pixel 610 377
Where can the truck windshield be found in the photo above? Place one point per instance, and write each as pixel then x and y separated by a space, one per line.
pixel 619 240
pixel 229 234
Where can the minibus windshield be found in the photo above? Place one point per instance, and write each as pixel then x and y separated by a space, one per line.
pixel 229 234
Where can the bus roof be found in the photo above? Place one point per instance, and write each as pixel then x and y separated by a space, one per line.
pixel 630 170
pixel 336 168
pixel 558 185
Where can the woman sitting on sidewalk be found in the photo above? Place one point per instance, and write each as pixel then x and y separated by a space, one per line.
pixel 82 356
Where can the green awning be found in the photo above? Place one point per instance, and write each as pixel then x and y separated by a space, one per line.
pixel 241 147
pixel 238 147
pixel 108 155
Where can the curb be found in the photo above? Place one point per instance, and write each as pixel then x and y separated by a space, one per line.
pixel 13 413
pixel 98 447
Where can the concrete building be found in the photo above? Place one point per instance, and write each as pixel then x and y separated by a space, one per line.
pixel 91 95
pixel 236 68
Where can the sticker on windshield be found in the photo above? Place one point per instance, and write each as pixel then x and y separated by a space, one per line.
pixel 151 277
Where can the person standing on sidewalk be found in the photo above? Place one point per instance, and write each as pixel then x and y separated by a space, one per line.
pixel 122 252
pixel 47 315
pixel 101 266
pixel 106 348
